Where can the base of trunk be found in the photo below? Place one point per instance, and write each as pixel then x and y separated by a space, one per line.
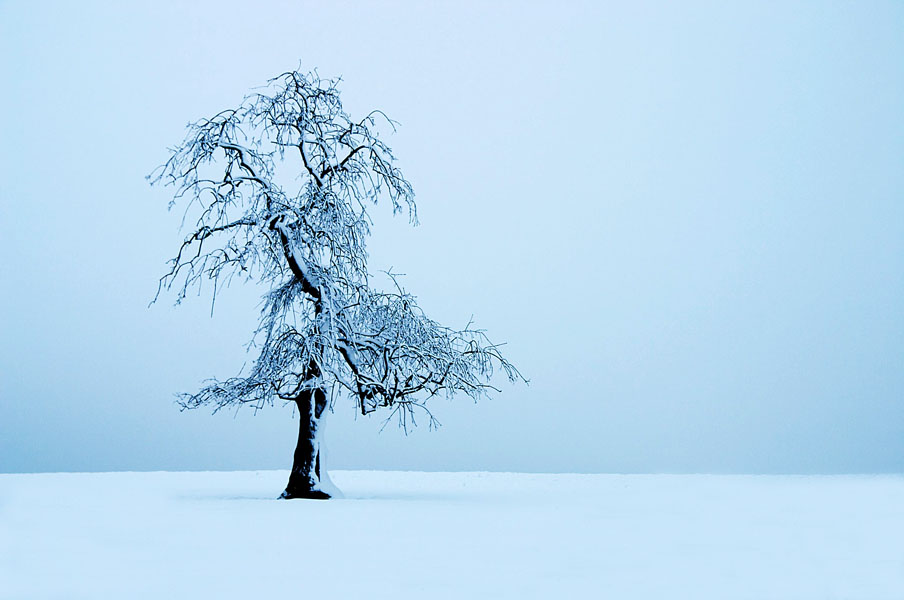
pixel 304 478
pixel 306 494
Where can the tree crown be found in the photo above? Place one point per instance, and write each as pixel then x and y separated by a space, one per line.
pixel 282 185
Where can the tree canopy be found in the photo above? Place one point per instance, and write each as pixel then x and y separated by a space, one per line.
pixel 282 186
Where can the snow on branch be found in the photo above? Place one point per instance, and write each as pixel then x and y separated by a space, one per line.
pixel 397 357
pixel 278 190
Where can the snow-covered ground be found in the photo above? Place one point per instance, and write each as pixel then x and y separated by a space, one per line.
pixel 451 535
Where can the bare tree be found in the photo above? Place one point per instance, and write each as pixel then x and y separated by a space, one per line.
pixel 281 187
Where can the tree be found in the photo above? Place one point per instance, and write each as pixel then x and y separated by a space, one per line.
pixel 281 187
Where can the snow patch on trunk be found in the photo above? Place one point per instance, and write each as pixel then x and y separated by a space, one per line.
pixel 325 484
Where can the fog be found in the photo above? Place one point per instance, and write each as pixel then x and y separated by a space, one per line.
pixel 685 221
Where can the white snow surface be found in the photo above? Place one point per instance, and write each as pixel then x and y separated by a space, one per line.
pixel 407 535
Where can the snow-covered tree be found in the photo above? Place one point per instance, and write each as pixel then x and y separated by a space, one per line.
pixel 280 188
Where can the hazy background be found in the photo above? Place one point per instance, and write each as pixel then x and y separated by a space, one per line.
pixel 686 220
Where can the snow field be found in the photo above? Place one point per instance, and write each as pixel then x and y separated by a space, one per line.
pixel 407 535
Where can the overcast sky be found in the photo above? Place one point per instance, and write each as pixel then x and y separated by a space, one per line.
pixel 685 219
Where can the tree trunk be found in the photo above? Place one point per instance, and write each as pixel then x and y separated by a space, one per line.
pixel 304 480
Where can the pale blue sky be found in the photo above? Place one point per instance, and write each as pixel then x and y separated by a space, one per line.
pixel 686 220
